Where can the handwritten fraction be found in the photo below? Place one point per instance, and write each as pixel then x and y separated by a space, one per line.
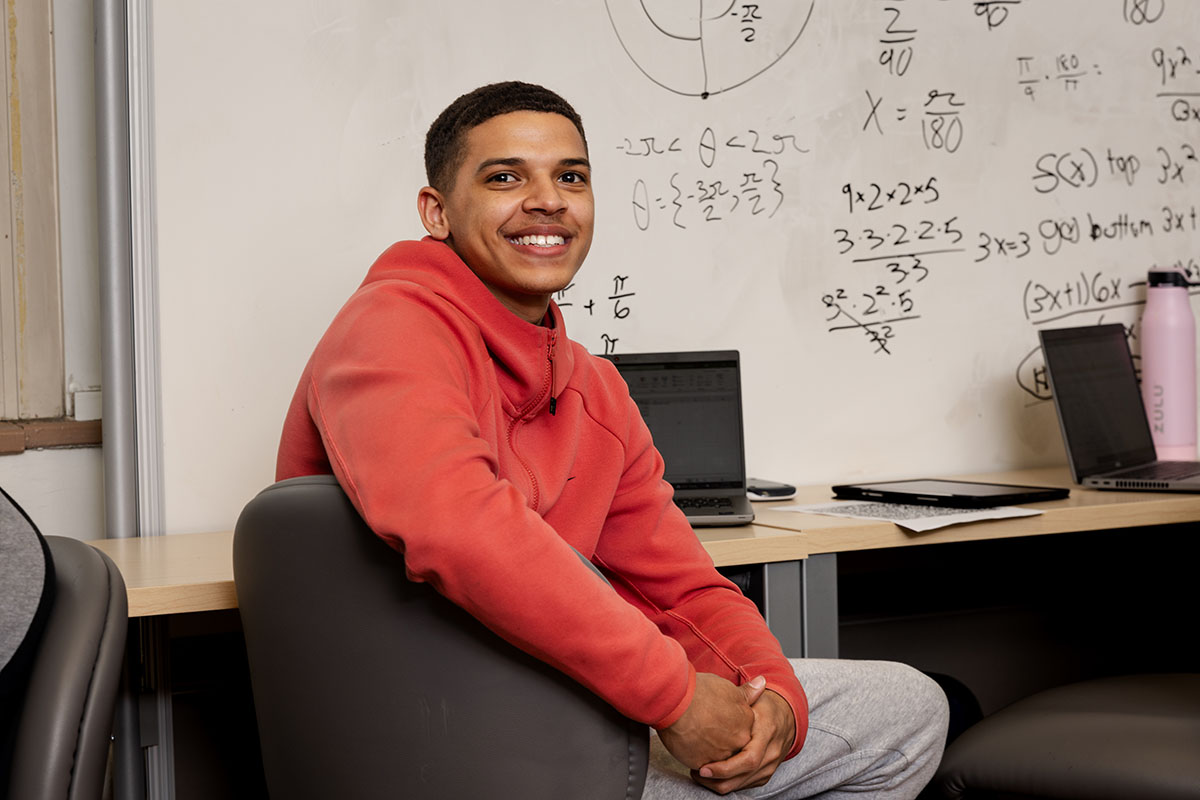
pixel 615 307
pixel 1179 81
pixel 1065 71
pixel 938 115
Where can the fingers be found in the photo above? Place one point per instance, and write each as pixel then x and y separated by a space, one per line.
pixel 753 689
pixel 739 763
pixel 741 771
pixel 734 784
pixel 754 764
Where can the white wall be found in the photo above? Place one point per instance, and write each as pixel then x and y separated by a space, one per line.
pixel 288 140
pixel 62 490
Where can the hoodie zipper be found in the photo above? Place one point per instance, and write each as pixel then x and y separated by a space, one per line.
pixel 550 342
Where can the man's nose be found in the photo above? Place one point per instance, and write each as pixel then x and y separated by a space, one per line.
pixel 544 195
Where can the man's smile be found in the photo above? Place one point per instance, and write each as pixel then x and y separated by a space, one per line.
pixel 538 240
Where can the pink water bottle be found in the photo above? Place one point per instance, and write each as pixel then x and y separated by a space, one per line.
pixel 1169 365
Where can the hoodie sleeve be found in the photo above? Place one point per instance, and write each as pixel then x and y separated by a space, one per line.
pixel 391 396
pixel 657 563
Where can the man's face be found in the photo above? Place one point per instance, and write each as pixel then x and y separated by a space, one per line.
pixel 520 210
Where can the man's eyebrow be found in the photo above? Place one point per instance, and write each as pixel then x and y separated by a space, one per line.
pixel 499 162
pixel 517 162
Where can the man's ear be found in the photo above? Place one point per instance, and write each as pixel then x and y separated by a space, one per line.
pixel 432 208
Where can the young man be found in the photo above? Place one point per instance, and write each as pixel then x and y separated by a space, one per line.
pixel 479 441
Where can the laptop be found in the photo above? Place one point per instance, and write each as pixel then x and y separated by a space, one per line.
pixel 948 493
pixel 692 404
pixel 1100 411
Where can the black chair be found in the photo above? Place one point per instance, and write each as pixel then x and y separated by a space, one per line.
pixel 368 685
pixel 1125 738
pixel 62 742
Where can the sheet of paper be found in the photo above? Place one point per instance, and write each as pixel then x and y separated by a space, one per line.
pixel 915 518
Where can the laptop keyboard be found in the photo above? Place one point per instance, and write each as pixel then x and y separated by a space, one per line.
pixel 1162 470
pixel 704 502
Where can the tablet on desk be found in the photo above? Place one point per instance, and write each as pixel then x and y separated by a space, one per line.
pixel 956 494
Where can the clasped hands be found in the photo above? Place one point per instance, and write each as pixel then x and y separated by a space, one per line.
pixel 731 737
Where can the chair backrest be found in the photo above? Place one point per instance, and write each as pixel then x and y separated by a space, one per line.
pixel 65 729
pixel 368 685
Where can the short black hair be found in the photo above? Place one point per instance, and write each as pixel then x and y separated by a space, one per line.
pixel 445 143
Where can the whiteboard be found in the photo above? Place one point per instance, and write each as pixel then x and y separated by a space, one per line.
pixel 878 202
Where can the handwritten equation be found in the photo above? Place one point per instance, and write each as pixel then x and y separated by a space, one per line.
pixel 899 239
pixel 938 116
pixel 892 263
pixel 879 197
pixel 726 176
pixel 889 261
pixel 1065 71
pixel 947 195
pixel 1051 235
pixel 1179 82
pixel 616 307
pixel 875 313
pixel 1048 301
pixel 1082 168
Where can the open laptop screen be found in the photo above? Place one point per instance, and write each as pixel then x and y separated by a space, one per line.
pixel 1098 399
pixel 692 404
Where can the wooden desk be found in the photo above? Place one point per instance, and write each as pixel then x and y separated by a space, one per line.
pixel 186 572
pixel 1084 510
pixel 182 573
pixel 175 574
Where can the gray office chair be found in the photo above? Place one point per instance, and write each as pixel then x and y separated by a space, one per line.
pixel 368 685
pixel 63 736
pixel 1124 738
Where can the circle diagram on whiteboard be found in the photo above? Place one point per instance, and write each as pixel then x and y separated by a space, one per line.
pixel 703 47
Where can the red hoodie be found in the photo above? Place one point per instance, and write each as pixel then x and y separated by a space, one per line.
pixel 484 448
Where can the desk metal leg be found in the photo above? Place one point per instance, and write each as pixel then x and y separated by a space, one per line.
pixel 820 606
pixel 129 772
pixel 801 605
pixel 783 596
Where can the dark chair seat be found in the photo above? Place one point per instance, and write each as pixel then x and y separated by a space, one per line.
pixel 1127 738
pixel 368 685
pixel 65 729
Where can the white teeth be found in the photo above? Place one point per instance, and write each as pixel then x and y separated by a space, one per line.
pixel 539 240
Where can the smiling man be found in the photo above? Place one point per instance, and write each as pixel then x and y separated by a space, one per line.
pixel 516 207
pixel 479 441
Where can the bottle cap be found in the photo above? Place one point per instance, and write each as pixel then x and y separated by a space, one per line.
pixel 1167 277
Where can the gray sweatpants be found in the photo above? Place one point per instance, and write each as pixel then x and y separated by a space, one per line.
pixel 876 730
